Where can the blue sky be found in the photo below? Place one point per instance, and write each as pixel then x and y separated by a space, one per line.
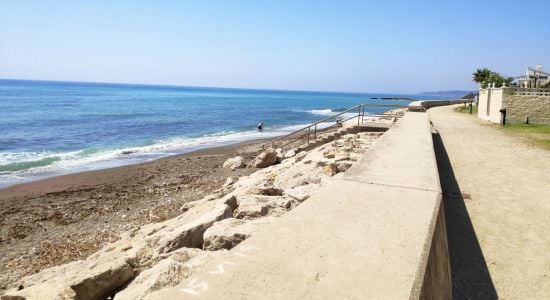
pixel 360 46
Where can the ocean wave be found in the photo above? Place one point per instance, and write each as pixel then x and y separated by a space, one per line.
pixel 29 164
pixel 21 165
pixel 321 112
pixel 331 112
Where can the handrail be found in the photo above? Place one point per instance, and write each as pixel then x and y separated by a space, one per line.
pixel 360 118
pixel 318 122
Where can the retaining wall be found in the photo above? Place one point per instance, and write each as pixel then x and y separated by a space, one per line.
pixel 519 103
pixel 537 108
pixel 422 105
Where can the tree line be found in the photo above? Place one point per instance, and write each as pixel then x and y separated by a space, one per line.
pixel 485 77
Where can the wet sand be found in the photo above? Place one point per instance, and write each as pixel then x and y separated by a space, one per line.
pixel 61 219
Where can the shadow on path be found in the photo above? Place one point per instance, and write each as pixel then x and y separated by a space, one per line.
pixel 470 276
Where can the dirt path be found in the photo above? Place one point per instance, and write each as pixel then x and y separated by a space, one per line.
pixel 504 190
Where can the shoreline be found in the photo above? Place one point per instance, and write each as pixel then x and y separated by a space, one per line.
pixel 13 189
pixel 118 163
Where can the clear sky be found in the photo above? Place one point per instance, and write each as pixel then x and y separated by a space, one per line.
pixel 362 46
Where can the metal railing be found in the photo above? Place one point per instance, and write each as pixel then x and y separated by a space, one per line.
pixel 309 133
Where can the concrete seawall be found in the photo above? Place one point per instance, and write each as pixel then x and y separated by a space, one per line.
pixel 378 232
pixel 420 106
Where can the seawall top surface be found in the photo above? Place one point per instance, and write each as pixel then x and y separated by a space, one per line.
pixel 365 235
pixel 403 157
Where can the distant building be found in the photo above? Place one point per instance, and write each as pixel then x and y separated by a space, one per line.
pixel 525 101
pixel 533 78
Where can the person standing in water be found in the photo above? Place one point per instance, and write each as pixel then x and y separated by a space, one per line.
pixel 260 126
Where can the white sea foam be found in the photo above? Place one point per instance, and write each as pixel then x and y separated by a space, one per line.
pixel 322 112
pixel 75 161
pixel 329 112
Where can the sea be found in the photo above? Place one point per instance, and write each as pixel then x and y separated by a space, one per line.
pixel 52 128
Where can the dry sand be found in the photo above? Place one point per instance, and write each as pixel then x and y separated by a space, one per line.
pixel 62 219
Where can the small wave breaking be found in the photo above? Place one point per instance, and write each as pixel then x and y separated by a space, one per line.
pixel 331 112
pixel 24 166
pixel 321 112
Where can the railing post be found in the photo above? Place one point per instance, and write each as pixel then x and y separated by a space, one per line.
pixel 358 114
pixel 363 114
pixel 308 133
pixel 315 132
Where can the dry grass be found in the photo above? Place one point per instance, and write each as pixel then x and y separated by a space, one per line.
pixel 534 134
pixel 466 109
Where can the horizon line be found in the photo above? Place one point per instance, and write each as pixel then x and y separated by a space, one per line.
pixel 218 87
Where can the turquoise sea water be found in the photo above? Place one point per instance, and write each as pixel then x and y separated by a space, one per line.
pixel 52 128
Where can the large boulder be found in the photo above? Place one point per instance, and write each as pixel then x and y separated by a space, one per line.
pixel 105 271
pixel 251 206
pixel 228 233
pixel 266 191
pixel 77 280
pixel 265 159
pixel 280 155
pixel 343 166
pixel 342 157
pixel 234 163
pixel 290 153
pixel 189 234
pixel 298 157
pixel 330 169
pixel 300 175
pixel 302 192
pixel 168 272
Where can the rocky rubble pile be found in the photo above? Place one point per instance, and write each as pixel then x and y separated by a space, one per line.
pixel 162 254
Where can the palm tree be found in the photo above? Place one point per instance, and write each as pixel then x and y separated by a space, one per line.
pixel 481 76
pixel 496 79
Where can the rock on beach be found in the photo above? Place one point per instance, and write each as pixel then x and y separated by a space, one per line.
pixel 265 159
pixel 161 255
pixel 234 163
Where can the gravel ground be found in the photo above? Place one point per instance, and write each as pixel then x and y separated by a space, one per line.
pixel 503 188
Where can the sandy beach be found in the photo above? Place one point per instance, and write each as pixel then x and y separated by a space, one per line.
pixel 62 219
pixel 126 222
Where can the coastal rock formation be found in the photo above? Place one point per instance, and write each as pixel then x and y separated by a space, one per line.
pixel 234 163
pixel 302 192
pixel 228 233
pixel 343 166
pixel 265 159
pixel 106 270
pixel 163 254
pixel 289 154
pixel 179 265
pixel 300 156
pixel 189 234
pixel 251 206
pixel 267 191
pixel 330 169
pixel 77 280
pixel 280 155
pixel 229 181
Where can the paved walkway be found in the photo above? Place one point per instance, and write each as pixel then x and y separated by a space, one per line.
pixel 497 210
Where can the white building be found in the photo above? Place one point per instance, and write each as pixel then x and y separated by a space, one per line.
pixel 533 78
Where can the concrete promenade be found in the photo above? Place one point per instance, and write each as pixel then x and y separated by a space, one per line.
pixel 375 233
pixel 497 203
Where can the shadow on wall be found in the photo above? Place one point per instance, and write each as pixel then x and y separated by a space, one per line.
pixel 469 272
